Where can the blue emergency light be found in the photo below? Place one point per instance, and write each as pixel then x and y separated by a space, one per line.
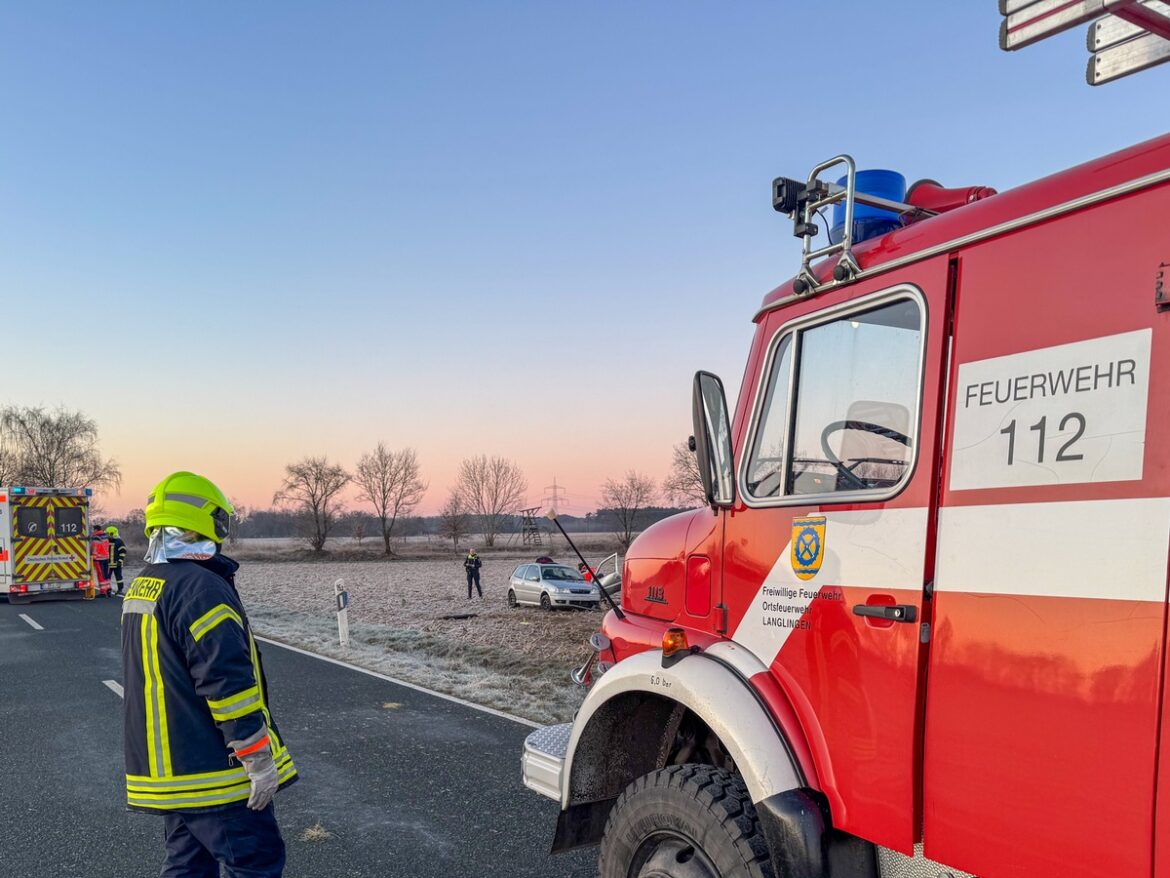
pixel 869 222
pixel 18 490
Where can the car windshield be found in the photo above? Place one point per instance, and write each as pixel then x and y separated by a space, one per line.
pixel 563 574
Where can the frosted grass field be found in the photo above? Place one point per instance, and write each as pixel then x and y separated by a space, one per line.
pixel 513 660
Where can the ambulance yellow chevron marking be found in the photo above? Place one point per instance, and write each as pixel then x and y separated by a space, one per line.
pixel 50 558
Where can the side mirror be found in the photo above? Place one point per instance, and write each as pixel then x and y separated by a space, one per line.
pixel 712 440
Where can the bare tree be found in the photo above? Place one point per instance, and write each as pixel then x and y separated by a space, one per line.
pixel 683 485
pixel 358 528
pixel 492 488
pixel 454 521
pixel 239 518
pixel 311 487
pixel 627 497
pixel 8 460
pixel 56 448
pixel 391 483
pixel 132 527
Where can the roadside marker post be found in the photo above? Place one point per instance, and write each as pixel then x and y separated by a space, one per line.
pixel 342 597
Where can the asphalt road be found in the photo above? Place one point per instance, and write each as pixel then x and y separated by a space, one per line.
pixel 408 784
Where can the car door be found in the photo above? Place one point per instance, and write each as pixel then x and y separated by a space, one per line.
pixel 826 552
pixel 520 585
pixel 535 584
pixel 1043 709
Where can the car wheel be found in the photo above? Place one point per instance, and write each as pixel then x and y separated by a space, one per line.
pixel 545 603
pixel 512 598
pixel 685 821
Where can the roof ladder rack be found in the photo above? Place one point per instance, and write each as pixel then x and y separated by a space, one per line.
pixel 1125 36
pixel 802 201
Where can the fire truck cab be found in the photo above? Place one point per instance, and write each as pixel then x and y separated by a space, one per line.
pixel 921 629
pixel 44 546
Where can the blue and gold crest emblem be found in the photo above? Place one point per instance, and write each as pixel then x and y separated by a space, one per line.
pixel 808 545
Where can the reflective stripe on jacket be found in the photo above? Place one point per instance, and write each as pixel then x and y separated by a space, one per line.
pixel 193 682
pixel 117 552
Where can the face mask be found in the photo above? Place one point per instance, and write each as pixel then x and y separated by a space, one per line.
pixel 177 544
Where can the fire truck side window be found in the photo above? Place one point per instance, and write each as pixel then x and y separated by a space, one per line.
pixel 67 522
pixel 766 465
pixel 32 521
pixel 857 385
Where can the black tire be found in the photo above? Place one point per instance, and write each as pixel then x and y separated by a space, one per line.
pixel 685 821
pixel 512 598
pixel 545 603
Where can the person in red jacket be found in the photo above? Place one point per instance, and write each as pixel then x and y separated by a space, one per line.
pixel 101 557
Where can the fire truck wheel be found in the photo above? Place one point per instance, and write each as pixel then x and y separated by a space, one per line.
pixel 545 603
pixel 685 821
pixel 512 599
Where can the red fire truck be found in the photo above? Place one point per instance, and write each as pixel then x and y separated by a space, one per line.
pixel 922 628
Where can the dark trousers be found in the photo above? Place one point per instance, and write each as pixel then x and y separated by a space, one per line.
pixel 247 843
pixel 473 576
pixel 116 572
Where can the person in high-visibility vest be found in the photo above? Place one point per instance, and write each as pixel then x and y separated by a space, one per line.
pixel 117 560
pixel 202 748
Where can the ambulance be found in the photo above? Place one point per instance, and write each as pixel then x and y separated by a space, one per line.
pixel 920 628
pixel 44 546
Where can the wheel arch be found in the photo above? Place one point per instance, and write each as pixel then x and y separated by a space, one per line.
pixel 628 721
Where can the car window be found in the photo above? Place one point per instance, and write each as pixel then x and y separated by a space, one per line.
pixel 766 466
pixel 67 522
pixel 519 572
pixel 828 421
pixel 561 574
pixel 32 521
pixel 853 422
pixel 533 573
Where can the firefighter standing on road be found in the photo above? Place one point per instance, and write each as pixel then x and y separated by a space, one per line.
pixel 117 559
pixel 472 564
pixel 201 746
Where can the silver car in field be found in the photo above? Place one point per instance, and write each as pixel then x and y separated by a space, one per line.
pixel 551 585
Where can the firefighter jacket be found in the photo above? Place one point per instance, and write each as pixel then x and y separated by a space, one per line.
pixel 193 682
pixel 472 563
pixel 117 552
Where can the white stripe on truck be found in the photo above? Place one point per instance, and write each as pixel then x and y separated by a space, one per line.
pixel 1105 549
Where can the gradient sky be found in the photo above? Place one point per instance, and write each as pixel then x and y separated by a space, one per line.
pixel 236 234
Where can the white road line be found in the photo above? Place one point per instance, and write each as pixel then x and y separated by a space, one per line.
pixel 32 622
pixel 114 687
pixel 397 682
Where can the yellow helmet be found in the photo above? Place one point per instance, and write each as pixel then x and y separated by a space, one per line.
pixel 112 531
pixel 191 502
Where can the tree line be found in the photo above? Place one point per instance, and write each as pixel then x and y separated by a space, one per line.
pixel 60 447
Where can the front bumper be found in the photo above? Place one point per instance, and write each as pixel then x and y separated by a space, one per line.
pixel 543 760
pixel 575 601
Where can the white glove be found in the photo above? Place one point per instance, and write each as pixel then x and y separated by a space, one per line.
pixel 255 754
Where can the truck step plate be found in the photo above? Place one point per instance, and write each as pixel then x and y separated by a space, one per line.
pixel 544 759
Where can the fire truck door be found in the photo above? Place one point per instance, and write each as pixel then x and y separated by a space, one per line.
pixel 1042 710
pixel 826 554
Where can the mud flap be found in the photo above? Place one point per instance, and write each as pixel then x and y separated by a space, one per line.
pixel 581 825
pixel 803 843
